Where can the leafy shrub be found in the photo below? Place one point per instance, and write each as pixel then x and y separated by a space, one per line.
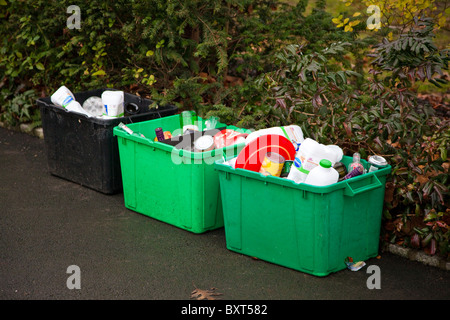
pixel 20 109
pixel 191 53
pixel 255 64
pixel 418 192
pixel 383 118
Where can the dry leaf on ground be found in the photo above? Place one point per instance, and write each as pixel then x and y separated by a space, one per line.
pixel 208 294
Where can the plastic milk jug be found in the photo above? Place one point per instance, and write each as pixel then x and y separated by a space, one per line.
pixel 113 103
pixel 322 175
pixel 311 152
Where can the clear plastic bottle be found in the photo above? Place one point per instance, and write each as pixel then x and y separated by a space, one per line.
pixel 356 163
pixel 322 175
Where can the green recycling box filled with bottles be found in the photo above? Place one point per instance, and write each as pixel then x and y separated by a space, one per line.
pixel 312 229
pixel 170 181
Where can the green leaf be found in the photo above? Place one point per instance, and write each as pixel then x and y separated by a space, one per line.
pixel 3 3
pixel 430 216
pixel 99 73
pixel 40 66
pixel 341 74
pixel 443 153
pixel 160 44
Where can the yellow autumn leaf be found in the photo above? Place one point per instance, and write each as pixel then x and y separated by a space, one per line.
pixel 442 21
pixel 99 73
pixel 390 36
pixel 348 28
pixel 336 20
pixel 354 23
pixel 356 14
pixel 346 20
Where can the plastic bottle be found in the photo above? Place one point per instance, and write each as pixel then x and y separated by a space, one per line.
pixel 187 121
pixel 322 175
pixel 74 106
pixel 62 97
pixel 296 174
pixel 355 172
pixel 356 163
pixel 292 132
pixel 94 106
pixel 337 151
pixel 311 152
pixel 113 103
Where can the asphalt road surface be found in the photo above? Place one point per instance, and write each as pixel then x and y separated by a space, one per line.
pixel 62 241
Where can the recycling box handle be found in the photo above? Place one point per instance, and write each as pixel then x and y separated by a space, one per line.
pixel 349 191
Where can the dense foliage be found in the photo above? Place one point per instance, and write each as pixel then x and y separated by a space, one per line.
pixel 255 64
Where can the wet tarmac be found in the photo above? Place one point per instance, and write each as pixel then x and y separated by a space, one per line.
pixel 48 224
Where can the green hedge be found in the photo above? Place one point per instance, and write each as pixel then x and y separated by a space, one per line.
pixel 254 63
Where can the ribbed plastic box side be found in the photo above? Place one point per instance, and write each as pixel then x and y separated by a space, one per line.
pixel 306 228
pixel 84 150
pixel 177 187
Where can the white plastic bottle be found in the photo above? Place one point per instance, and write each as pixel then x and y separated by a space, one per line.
pixel 63 97
pixel 339 153
pixel 322 175
pixel 296 173
pixel 311 152
pixel 113 103
pixel 74 106
pixel 292 132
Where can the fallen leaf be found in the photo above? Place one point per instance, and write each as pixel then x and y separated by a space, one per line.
pixel 233 81
pixel 389 193
pixel 208 294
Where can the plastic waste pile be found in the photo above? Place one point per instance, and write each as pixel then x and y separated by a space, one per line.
pixel 195 135
pixel 278 151
pixel 284 152
pixel 109 106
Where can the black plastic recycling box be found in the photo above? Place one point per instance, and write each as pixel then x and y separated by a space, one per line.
pixel 83 149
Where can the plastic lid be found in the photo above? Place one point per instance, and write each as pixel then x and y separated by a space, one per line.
pixel 204 142
pixel 325 163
